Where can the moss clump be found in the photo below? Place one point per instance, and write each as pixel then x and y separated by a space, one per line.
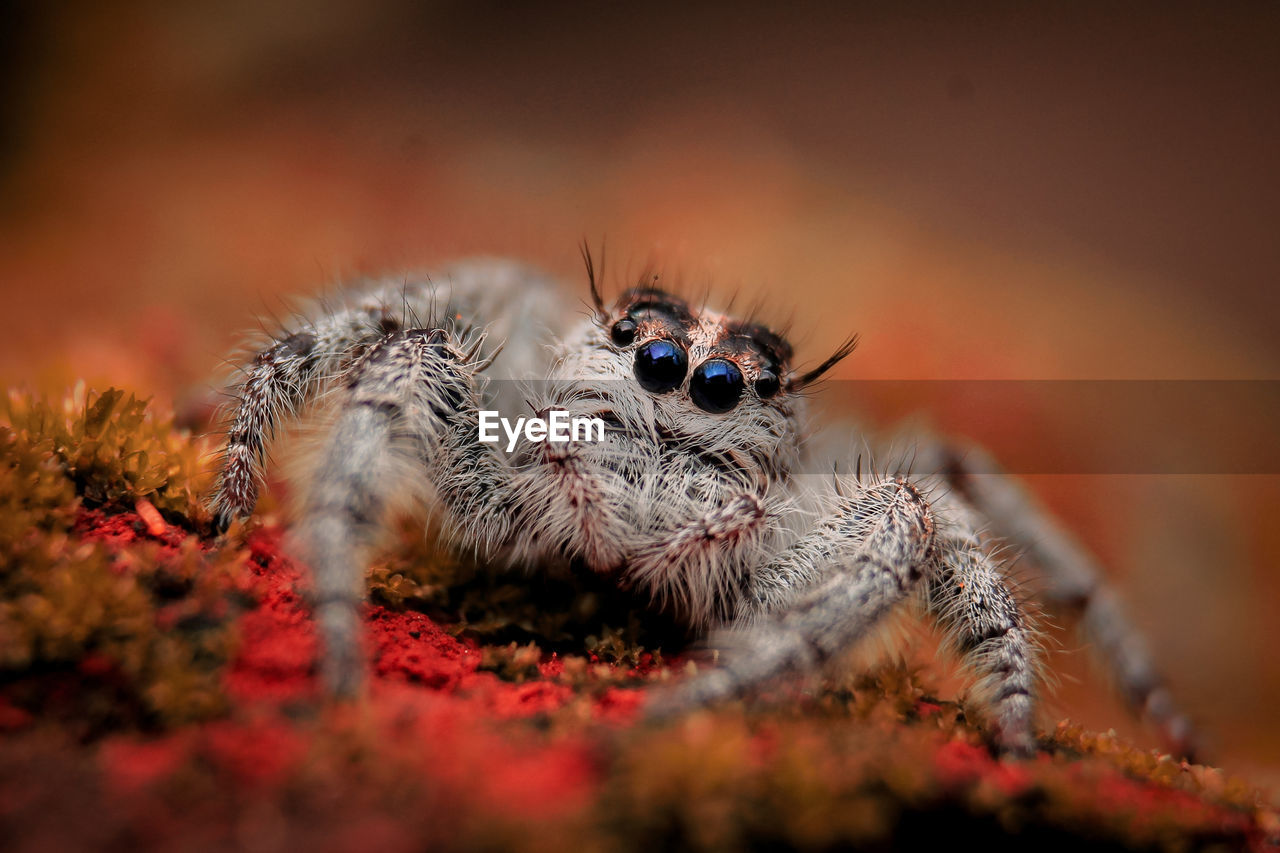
pixel 113 450
pixel 106 619
pixel 880 763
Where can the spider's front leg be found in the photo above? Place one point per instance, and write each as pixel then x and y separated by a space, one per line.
pixel 514 302
pixel 822 595
pixel 407 420
pixel 280 380
pixel 833 586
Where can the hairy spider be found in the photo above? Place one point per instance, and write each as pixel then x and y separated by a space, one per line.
pixel 694 493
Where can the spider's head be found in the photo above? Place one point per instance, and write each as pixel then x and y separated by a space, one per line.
pixel 681 380
pixel 701 411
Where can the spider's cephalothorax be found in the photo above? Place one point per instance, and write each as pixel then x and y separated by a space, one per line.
pixel 702 438
pixel 699 487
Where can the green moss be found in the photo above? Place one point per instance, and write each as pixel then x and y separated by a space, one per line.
pixel 91 631
pixel 112 449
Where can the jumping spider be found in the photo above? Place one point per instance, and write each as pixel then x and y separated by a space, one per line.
pixel 695 494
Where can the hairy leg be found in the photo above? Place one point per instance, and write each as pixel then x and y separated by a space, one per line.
pixel 822 595
pixel 408 414
pixel 984 624
pixel 1072 579
pixel 279 381
pixel 515 303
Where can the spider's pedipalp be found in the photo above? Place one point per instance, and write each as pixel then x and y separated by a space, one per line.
pixel 698 567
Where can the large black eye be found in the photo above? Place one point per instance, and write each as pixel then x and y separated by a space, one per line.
pixel 660 366
pixel 716 386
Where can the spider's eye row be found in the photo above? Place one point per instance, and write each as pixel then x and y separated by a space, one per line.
pixel 767 384
pixel 660 366
pixel 623 331
pixel 716 386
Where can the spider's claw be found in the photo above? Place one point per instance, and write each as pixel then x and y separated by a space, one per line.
pixel 222 515
pixel 219 522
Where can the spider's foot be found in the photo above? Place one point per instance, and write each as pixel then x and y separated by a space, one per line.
pixel 342 666
pixel 698 692
pixel 221 518
pixel 1016 745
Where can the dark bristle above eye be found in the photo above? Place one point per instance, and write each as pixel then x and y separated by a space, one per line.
pixel 774 346
pixel 639 303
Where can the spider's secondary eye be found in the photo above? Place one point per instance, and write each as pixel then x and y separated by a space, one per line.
pixel 660 366
pixel 623 331
pixel 716 386
pixel 767 384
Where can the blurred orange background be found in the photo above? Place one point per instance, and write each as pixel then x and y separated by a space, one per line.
pixel 1004 191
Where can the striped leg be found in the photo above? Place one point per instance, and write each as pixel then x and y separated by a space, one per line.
pixel 1073 581
pixel 516 305
pixel 284 378
pixel 984 624
pixel 862 561
pixel 406 402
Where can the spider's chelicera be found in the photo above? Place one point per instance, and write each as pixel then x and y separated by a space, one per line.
pixel 700 485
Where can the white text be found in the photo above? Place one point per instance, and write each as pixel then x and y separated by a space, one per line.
pixel 556 427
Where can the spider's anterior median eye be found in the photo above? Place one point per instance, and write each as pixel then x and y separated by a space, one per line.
pixel 716 386
pixel 623 331
pixel 660 366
